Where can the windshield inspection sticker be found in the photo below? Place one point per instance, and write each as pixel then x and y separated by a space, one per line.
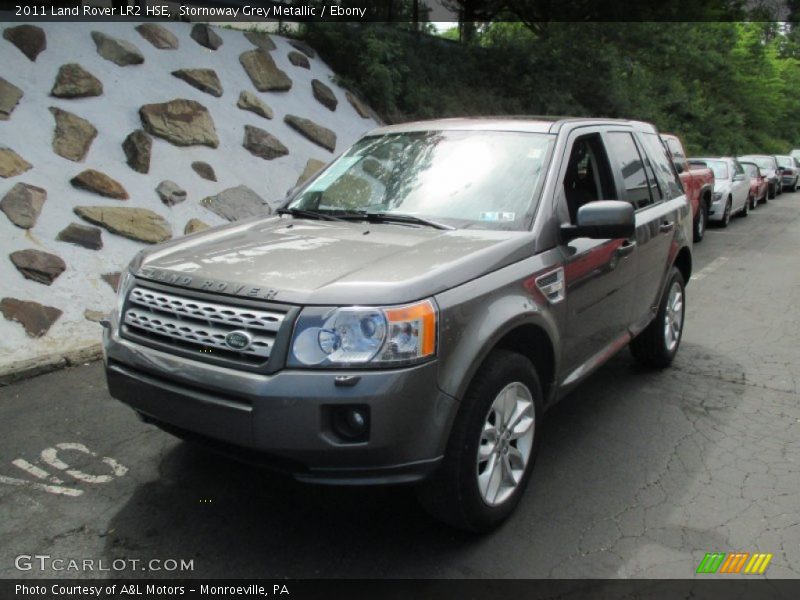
pixel 498 216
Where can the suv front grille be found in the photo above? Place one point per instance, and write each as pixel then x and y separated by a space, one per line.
pixel 200 326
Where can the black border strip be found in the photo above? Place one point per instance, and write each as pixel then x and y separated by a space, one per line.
pixel 410 589
pixel 401 11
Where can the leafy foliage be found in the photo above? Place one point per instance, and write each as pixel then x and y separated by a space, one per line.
pixel 726 87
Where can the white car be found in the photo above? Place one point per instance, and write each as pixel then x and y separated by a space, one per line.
pixel 731 188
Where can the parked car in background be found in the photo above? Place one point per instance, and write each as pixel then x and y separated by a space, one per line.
pixel 698 183
pixel 795 153
pixel 790 171
pixel 731 189
pixel 769 166
pixel 759 186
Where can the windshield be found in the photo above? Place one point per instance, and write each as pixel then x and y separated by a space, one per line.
pixel 750 169
pixel 720 168
pixel 765 162
pixel 481 179
pixel 785 161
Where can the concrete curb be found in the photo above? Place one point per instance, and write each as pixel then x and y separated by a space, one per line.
pixel 24 369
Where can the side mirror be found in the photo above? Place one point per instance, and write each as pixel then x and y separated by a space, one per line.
pixel 738 177
pixel 680 167
pixel 601 220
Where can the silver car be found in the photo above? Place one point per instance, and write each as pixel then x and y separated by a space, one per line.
pixel 790 171
pixel 731 189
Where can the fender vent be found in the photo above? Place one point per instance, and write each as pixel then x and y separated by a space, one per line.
pixel 552 285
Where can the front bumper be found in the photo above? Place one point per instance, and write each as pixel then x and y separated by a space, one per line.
pixel 717 209
pixel 283 417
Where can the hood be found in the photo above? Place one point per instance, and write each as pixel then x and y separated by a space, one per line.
pixel 330 262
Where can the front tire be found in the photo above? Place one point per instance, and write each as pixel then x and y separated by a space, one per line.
pixel 701 222
pixel 770 192
pixel 658 344
pixel 726 216
pixel 753 201
pixel 492 446
pixel 745 208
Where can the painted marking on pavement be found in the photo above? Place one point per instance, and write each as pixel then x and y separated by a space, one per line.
pixel 34 470
pixel 53 489
pixel 714 265
pixel 51 457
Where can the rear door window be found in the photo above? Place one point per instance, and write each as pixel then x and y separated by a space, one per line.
pixel 666 175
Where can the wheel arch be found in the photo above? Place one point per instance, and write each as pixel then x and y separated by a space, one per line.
pixel 532 333
pixel 533 342
pixel 705 196
pixel 683 262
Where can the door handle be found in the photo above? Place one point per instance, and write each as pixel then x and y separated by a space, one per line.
pixel 626 249
pixel 667 226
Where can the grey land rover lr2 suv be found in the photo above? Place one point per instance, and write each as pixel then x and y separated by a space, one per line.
pixel 409 314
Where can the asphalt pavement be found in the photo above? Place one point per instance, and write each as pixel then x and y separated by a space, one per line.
pixel 640 473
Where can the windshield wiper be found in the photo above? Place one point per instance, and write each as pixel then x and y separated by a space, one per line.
pixel 387 217
pixel 372 217
pixel 302 213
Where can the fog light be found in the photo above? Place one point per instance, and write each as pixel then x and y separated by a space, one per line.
pixel 356 420
pixel 351 423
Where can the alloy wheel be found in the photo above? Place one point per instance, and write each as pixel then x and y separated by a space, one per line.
pixel 673 317
pixel 505 445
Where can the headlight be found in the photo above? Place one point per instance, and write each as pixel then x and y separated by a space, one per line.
pixel 364 336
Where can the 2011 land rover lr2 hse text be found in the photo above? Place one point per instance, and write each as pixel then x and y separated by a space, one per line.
pixel 409 314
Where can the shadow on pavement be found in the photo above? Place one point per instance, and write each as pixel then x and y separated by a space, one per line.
pixel 619 461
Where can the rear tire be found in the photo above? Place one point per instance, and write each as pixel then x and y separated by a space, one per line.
pixel 658 344
pixel 457 492
pixel 701 222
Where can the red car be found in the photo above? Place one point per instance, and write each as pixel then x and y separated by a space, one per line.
pixel 759 184
pixel 697 181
